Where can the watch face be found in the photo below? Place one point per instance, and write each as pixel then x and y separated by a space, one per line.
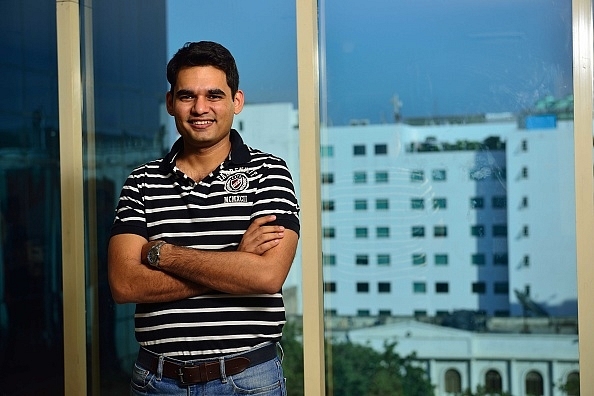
pixel 152 256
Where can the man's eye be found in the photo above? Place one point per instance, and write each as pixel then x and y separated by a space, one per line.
pixel 185 98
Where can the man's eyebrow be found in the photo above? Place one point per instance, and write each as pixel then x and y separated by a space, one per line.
pixel 212 91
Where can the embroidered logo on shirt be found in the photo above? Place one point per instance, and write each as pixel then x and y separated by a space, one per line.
pixel 237 182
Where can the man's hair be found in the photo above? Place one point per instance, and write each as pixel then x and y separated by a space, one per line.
pixel 204 53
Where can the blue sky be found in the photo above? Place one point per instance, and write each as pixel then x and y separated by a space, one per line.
pixel 441 57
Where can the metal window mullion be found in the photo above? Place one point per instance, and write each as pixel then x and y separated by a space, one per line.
pixel 72 202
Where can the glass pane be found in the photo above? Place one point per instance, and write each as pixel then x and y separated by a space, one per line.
pixel 132 45
pixel 31 325
pixel 470 106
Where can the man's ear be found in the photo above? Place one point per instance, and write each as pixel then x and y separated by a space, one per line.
pixel 169 102
pixel 238 101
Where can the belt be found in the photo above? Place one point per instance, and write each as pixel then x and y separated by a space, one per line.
pixel 203 372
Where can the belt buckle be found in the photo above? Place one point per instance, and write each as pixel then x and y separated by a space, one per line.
pixel 180 373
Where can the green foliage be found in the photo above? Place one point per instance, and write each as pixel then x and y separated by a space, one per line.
pixel 571 387
pixel 357 370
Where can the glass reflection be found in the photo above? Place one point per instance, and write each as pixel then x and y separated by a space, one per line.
pixel 458 117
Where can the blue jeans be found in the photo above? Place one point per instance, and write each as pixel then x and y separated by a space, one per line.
pixel 265 379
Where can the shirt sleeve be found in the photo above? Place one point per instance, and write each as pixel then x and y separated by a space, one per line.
pixel 130 217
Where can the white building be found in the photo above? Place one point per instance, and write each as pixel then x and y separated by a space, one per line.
pixel 414 226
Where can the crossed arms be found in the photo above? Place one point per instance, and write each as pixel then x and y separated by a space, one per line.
pixel 260 265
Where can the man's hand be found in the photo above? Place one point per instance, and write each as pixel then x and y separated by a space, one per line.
pixel 259 238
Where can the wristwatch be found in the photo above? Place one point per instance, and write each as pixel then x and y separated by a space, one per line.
pixel 154 254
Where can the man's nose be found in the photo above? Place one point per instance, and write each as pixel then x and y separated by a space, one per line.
pixel 200 105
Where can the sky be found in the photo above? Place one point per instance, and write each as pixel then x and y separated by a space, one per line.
pixel 440 57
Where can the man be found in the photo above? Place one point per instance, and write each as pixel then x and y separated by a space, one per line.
pixel 202 242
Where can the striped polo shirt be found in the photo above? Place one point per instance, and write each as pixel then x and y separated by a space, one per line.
pixel 158 201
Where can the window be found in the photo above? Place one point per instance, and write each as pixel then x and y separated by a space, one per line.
pixel 419 287
pixel 441 259
pixel 524 173
pixel 418 258
pixel 360 204
pixel 534 384
pixel 417 203
pixel 359 149
pixel 328 232
pixel 525 231
pixel 453 381
pixel 362 287
pixel 526 261
pixel 417 175
pixel 418 231
pixel 499 230
pixel 438 174
pixel 360 232
pixel 382 232
pixel 328 206
pixel 362 259
pixel 384 312
pixel 501 288
pixel 477 231
pixel 493 384
pixel 328 259
pixel 327 178
pixel 477 202
pixel 383 287
pixel 360 177
pixel 382 204
pixel 439 203
pixel 440 231
pixel 500 259
pixel 326 151
pixel 383 259
pixel 381 149
pixel 479 287
pixel 499 202
pixel 330 287
pixel 524 145
pixel 381 177
pixel 478 259
pixel 363 313
pixel 524 203
pixel 442 287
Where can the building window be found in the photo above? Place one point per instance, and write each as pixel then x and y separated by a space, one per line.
pixel 360 177
pixel 382 204
pixel 438 174
pixel 381 149
pixel 382 232
pixel 418 231
pixel 362 287
pixel 493 384
pixel 419 287
pixel 328 259
pixel 442 287
pixel 417 203
pixel 327 151
pixel 328 206
pixel 524 203
pixel 330 287
pixel 499 230
pixel 524 172
pixel 360 204
pixel 383 259
pixel 573 384
pixel 525 231
pixel 534 384
pixel 478 259
pixel 501 288
pixel 419 258
pixel 362 259
pixel 439 203
pixel 328 232
pixel 477 231
pixel 500 259
pixel 499 202
pixel 524 145
pixel 381 177
pixel 384 312
pixel 327 178
pixel 441 259
pixel 477 203
pixel 453 381
pixel 363 313
pixel 526 261
pixel 360 232
pixel 417 175
pixel 479 287
pixel 440 231
pixel 359 149
pixel 383 287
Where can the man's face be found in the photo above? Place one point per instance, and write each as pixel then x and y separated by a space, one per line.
pixel 202 106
